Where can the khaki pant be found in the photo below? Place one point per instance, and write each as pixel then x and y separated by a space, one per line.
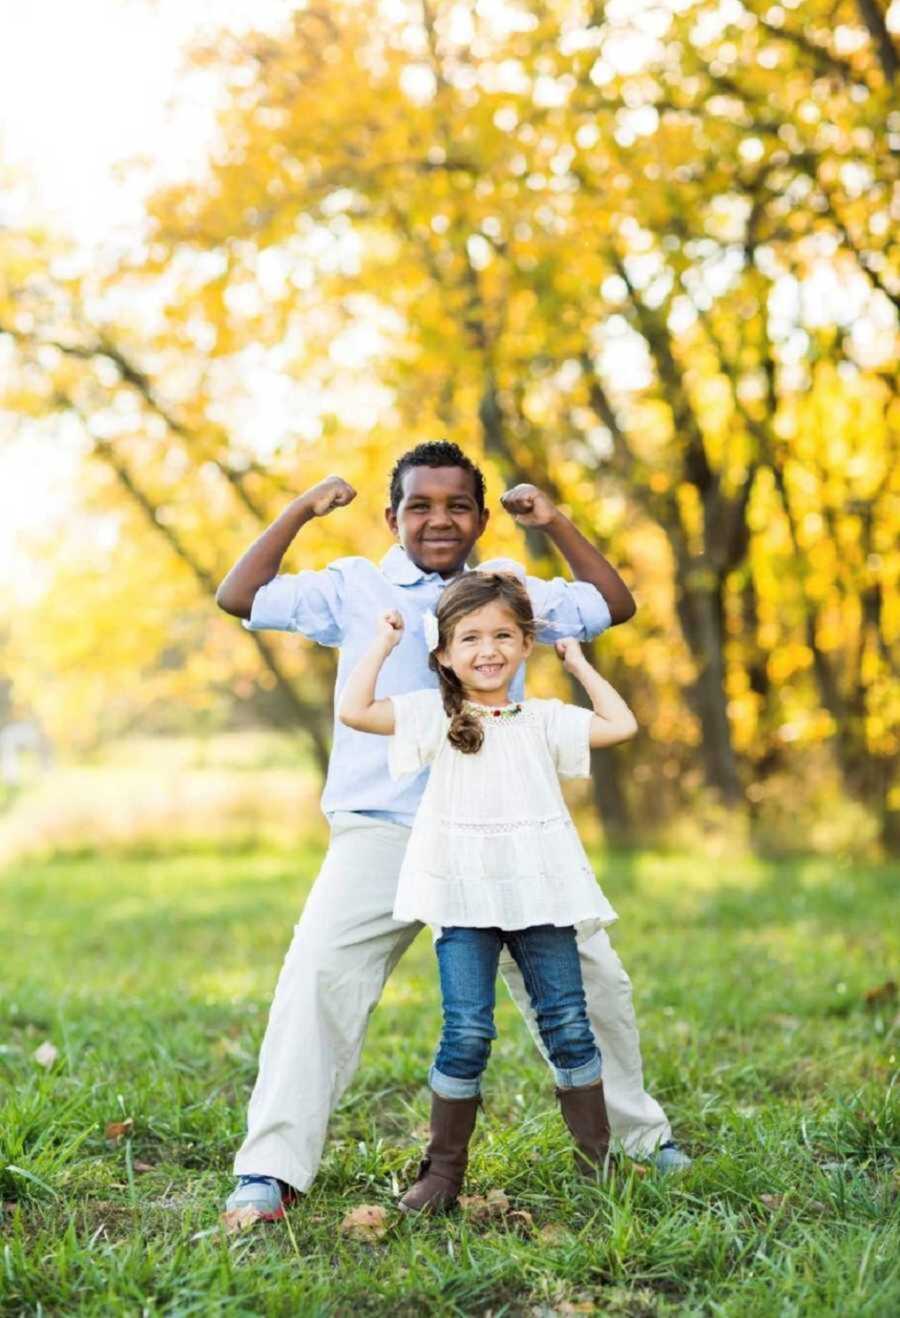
pixel 345 946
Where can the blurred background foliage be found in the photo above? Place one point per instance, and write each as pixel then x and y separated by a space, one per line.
pixel 642 254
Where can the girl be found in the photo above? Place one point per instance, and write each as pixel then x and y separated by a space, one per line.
pixel 493 856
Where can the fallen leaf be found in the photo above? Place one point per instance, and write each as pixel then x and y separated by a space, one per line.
pixel 773 1201
pixel 46 1055
pixel 116 1129
pixel 367 1222
pixel 142 1166
pixel 554 1233
pixel 640 1169
pixel 201 1235
pixel 239 1219
pixel 576 1306
pixel 480 1207
pixel 521 1219
pixel 223 1047
pixel 885 992
pixel 816 1206
pixel 786 1022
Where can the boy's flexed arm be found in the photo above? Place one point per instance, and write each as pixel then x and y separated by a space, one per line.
pixel 532 507
pixel 262 560
pixel 358 708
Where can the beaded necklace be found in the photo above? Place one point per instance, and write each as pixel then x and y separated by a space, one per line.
pixel 491 712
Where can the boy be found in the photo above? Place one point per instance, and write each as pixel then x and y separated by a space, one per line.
pixel 346 942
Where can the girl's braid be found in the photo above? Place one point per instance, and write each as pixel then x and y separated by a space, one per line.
pixel 465 731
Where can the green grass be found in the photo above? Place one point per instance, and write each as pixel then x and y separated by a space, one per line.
pixel 152 977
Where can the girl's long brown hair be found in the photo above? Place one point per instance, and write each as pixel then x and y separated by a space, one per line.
pixel 468 593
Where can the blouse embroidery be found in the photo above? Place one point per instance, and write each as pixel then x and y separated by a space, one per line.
pixel 487 713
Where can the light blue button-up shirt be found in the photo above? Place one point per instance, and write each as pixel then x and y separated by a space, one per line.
pixel 340 605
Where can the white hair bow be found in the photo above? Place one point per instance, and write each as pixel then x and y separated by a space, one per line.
pixel 430 628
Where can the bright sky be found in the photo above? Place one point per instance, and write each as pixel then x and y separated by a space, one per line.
pixel 86 85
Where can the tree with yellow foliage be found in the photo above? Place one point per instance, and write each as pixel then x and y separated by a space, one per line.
pixel 641 256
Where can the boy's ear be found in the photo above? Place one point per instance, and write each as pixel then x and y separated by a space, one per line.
pixel 486 512
pixel 391 518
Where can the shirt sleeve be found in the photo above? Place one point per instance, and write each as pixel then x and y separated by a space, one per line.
pixel 567 608
pixel 311 603
pixel 568 729
pixel 419 731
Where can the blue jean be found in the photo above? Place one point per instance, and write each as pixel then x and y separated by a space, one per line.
pixel 548 959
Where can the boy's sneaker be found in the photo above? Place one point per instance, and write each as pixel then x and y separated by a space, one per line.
pixel 669 1158
pixel 266 1194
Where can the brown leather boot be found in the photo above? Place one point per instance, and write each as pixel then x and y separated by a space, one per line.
pixel 584 1112
pixel 442 1169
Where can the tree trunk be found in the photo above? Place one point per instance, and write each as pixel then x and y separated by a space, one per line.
pixel 607 790
pixel 890 808
pixel 610 801
pixel 609 796
pixel 700 612
pixel 699 578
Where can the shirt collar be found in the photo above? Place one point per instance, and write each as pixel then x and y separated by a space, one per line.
pixel 399 568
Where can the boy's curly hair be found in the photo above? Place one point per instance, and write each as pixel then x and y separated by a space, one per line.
pixel 437 453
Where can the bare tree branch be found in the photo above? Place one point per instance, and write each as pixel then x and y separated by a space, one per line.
pixel 874 19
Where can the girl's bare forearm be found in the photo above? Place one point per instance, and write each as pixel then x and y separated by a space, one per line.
pixel 358 705
pixel 605 699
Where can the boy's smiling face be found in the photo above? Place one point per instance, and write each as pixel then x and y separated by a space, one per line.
pixel 438 519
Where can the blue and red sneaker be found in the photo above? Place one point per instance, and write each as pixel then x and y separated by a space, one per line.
pixel 266 1194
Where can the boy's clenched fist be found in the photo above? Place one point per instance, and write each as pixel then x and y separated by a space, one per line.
pixel 333 492
pixel 529 505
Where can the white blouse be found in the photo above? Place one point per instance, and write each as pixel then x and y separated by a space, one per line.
pixel 493 844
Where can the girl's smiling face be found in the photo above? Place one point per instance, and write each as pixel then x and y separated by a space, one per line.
pixel 485 651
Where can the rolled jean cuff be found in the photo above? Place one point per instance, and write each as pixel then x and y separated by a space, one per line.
pixel 588 1074
pixel 451 1086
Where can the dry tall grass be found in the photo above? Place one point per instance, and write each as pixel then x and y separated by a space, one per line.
pixel 173 792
